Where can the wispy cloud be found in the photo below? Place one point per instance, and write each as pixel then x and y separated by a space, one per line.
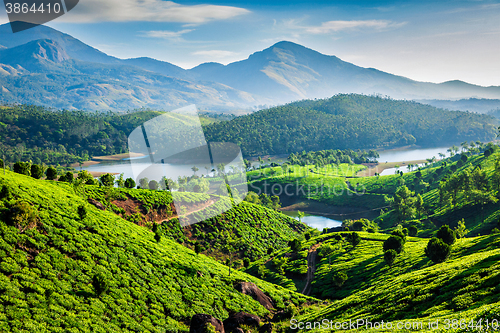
pixel 219 54
pixel 165 34
pixel 336 26
pixel 149 10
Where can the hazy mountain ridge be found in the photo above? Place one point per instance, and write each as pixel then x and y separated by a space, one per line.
pixel 42 72
pixel 281 73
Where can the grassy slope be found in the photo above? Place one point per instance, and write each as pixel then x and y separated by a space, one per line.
pixel 465 286
pixel 372 193
pixel 46 271
pixel 251 228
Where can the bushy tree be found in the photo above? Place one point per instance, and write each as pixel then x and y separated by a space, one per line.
pixel 339 278
pixel 36 171
pixel 100 283
pixel 353 238
pixel 390 256
pixel 246 262
pixel 446 234
pixel 153 185
pixel 120 182
pixel 51 173
pixel 295 245
pixel 461 230
pixel 393 243
pixel 107 180
pixel 82 212
pixel 197 248
pixel 144 183
pixel 405 203
pixel 67 177
pixel 437 250
pixel 412 230
pixel 129 183
pixel 22 168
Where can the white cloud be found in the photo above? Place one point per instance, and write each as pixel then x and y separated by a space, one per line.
pixel 215 53
pixel 166 34
pixel 336 26
pixel 148 10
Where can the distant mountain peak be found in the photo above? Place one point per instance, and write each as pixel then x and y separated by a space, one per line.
pixel 47 49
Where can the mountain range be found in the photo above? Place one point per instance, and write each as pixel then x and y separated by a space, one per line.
pixel 45 66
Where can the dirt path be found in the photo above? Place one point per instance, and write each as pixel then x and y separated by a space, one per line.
pixel 311 268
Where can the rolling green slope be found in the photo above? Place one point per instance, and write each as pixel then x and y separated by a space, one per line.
pixel 248 229
pixel 466 286
pixel 64 271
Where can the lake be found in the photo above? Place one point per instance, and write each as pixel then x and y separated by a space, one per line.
pixel 410 154
pixel 315 221
pixel 393 155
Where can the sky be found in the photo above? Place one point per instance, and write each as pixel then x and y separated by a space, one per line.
pixel 423 40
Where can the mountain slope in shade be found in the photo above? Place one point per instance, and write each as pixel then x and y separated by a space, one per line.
pixel 41 72
pixel 289 71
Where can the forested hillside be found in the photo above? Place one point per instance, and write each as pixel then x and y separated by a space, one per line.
pixel 69 266
pixel 39 134
pixel 350 122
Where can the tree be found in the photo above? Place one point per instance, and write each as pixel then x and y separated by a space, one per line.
pixel 393 243
pixel 51 173
pixel 246 262
pixel 307 235
pixel 437 250
pixel 280 263
pixel 107 180
pixel 153 185
pixel 326 250
pixel 270 250
pixel 390 257
pixel 85 177
pixel 22 168
pixel 446 234
pixel 412 231
pixel 67 177
pixel 295 245
pixel 354 239
pixel 339 278
pixel 460 230
pixel 36 171
pixel 419 205
pixel 144 183
pixel 194 168
pixel 100 283
pixel 404 202
pixel 120 182
pixel 300 215
pixel 197 248
pixel 261 271
pixel 82 212
pixel 129 183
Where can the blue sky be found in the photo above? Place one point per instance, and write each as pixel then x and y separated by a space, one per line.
pixel 422 40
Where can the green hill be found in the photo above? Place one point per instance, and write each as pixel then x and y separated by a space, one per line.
pixel 248 229
pixel 465 287
pixel 67 271
pixel 349 121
